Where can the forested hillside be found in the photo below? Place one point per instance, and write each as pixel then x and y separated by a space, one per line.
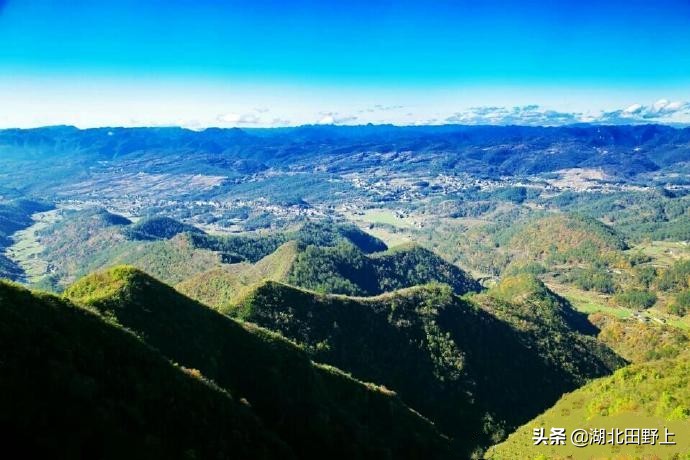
pixel 447 357
pixel 341 269
pixel 344 269
pixel 316 410
pixel 75 385
pixel 653 395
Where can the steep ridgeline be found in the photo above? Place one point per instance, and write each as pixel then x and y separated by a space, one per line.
pixel 222 287
pixel 345 270
pixel 75 385
pixel 252 248
pixel 15 215
pixel 341 269
pixel 652 395
pixel 475 373
pixel 318 411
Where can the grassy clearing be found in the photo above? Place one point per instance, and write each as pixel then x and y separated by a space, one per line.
pixel 664 253
pixel 27 248
pixel 589 302
pixel 383 216
pixel 390 238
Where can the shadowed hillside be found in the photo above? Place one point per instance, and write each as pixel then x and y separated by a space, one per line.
pixel 74 385
pixel 447 357
pixel 317 410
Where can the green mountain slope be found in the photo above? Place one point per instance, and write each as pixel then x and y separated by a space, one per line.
pixel 169 260
pixel 88 240
pixel 75 386
pixel 254 247
pixel 652 395
pixel 342 269
pixel 317 410
pixel 447 357
pixel 345 270
pixel 222 287
pixel 566 238
pixel 157 228
pixel 639 341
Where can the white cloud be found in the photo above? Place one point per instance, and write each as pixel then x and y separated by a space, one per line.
pixel 334 118
pixel 239 119
pixel 327 120
pixel 635 108
pixel 530 115
pixel 662 111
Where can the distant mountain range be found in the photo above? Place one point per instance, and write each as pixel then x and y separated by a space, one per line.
pixel 71 154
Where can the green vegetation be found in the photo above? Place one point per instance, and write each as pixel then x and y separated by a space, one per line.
pixel 344 269
pixel 316 410
pixel 567 239
pixel 514 194
pixel 548 320
pixel 327 233
pixel 239 248
pixel 252 248
pixel 171 261
pixel 654 395
pixel 430 347
pixel 592 279
pixel 223 287
pixel 157 228
pixel 636 299
pixel 85 241
pixel 74 386
pixel 681 304
pixel 642 215
pixel 15 215
pixel 675 278
pixel 552 237
pixel 638 340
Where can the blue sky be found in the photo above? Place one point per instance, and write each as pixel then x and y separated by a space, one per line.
pixel 267 63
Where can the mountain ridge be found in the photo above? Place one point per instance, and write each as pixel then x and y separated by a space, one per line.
pixel 426 337
pixel 316 410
